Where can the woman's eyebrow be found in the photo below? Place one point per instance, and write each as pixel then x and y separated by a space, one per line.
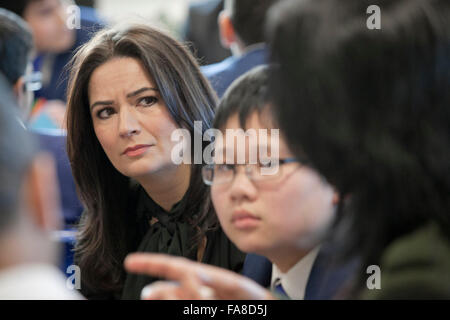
pixel 135 93
pixel 130 95
pixel 102 103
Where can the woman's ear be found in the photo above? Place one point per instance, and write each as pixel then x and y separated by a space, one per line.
pixel 42 193
pixel 226 29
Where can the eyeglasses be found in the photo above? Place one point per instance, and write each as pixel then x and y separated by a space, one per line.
pixel 215 174
pixel 33 81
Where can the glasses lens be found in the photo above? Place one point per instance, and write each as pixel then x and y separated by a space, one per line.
pixel 208 174
pixel 223 173
pixel 266 170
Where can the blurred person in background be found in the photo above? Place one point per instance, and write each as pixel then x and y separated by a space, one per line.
pixel 29 213
pixel 201 31
pixel 241 26
pixel 16 46
pixel 371 110
pixel 131 87
pixel 56 37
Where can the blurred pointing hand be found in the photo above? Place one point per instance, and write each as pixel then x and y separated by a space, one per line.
pixel 191 280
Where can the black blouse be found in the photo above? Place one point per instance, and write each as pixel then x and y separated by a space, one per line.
pixel 170 233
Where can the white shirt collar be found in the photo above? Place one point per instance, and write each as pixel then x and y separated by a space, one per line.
pixel 253 47
pixel 295 280
pixel 35 282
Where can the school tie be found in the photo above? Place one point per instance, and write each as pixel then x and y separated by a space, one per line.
pixel 279 288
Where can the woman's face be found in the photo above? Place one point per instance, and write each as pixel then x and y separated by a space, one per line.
pixel 131 121
pixel 270 217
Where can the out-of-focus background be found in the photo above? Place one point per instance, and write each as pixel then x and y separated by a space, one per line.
pixel 191 21
pixel 170 15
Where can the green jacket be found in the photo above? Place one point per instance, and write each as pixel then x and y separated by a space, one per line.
pixel 416 266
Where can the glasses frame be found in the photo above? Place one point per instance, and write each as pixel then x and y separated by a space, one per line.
pixel 247 172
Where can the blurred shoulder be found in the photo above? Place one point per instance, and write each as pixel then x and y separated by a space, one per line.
pixel 416 266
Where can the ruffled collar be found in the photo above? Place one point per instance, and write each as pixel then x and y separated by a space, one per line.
pixel 149 210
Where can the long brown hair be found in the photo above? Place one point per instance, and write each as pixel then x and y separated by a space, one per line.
pixel 107 230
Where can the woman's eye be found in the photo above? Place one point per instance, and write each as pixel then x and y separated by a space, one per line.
pixel 147 101
pixel 105 112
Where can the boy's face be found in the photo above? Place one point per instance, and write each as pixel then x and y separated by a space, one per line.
pixel 275 216
pixel 47 19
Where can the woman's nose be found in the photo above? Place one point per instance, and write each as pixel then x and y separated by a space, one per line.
pixel 128 124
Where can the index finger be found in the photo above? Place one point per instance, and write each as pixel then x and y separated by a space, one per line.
pixel 227 284
pixel 158 265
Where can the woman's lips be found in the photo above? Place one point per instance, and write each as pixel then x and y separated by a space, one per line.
pixel 242 219
pixel 136 150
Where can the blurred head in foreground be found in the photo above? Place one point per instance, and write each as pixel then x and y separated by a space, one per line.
pixel 29 209
pixel 370 107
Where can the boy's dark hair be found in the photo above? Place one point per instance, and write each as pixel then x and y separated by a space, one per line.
pixel 16 43
pixel 15 156
pixel 246 94
pixel 248 17
pixel 370 108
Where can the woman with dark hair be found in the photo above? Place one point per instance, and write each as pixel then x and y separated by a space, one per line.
pixel 130 88
pixel 371 108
